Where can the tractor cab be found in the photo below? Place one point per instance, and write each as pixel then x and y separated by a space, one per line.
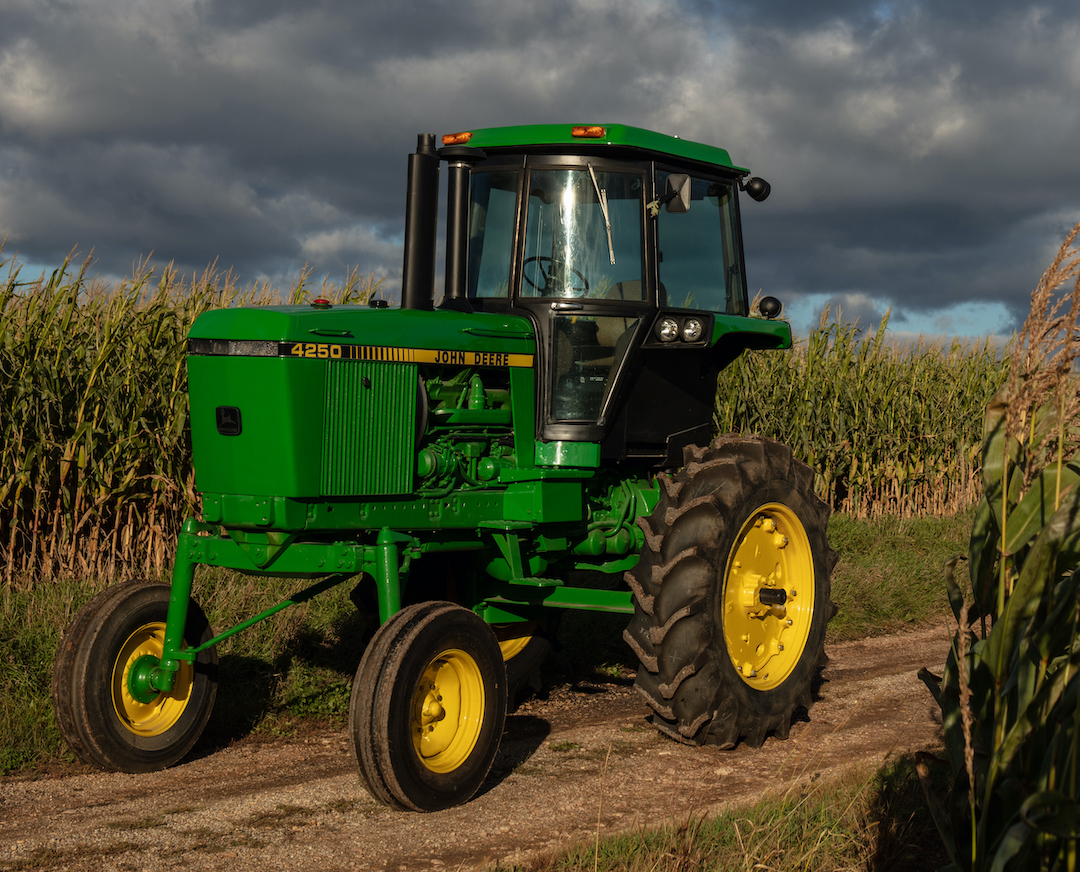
pixel 622 247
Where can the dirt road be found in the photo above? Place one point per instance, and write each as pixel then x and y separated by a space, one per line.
pixel 582 757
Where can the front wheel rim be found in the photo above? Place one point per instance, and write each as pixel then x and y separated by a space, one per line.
pixel 159 714
pixel 768 597
pixel 448 711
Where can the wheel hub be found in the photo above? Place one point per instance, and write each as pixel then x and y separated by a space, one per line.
pixel 766 619
pixel 140 679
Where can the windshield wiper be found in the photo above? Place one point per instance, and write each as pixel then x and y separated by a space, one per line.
pixel 601 195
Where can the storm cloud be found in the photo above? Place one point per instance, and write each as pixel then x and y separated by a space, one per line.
pixel 922 156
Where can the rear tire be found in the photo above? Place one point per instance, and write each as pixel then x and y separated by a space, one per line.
pixel 95 709
pixel 428 706
pixel 738 525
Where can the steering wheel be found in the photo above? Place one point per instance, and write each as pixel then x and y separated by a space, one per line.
pixel 555 274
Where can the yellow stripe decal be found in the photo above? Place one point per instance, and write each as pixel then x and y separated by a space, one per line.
pixel 327 351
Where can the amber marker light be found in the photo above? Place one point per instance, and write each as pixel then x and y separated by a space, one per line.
pixel 592 132
pixel 456 138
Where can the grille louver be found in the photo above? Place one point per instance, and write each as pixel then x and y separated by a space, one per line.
pixel 370 433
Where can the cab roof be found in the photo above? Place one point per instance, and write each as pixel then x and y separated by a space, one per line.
pixel 595 135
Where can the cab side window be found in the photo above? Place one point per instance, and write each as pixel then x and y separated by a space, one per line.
pixel 700 256
pixel 491 232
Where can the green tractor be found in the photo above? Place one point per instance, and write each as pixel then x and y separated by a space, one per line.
pixel 474 467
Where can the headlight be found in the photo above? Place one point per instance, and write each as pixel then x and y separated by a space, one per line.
pixel 668 330
pixel 692 330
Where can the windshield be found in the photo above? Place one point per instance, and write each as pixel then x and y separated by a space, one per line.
pixel 583 236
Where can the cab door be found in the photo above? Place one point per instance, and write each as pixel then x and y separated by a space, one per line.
pixel 583 279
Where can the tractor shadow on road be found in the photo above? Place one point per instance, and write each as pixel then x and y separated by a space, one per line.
pixel 522 737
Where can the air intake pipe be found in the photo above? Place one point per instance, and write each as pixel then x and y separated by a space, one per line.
pixel 459 160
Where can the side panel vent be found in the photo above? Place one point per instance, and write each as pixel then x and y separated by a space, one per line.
pixel 369 441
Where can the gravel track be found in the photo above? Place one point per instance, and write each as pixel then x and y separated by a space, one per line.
pixel 581 758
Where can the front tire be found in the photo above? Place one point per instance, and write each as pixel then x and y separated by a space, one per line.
pixel 119 631
pixel 428 706
pixel 732 594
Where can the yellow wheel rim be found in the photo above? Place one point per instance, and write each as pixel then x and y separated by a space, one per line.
pixel 448 711
pixel 159 714
pixel 514 637
pixel 770 562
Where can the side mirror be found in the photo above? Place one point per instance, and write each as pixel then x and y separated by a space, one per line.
pixel 677 193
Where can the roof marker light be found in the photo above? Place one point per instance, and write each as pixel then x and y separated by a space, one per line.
pixel 456 138
pixel 588 132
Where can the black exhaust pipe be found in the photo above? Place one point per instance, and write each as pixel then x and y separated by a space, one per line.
pixel 421 226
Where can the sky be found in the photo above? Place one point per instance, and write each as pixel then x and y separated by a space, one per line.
pixel 922 155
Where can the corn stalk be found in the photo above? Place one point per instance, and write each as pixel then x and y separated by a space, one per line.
pixel 1010 691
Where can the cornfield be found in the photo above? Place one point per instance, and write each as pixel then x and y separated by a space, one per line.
pixel 889 430
pixel 95 464
pixel 95 460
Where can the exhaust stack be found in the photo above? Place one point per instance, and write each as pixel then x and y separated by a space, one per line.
pixel 421 226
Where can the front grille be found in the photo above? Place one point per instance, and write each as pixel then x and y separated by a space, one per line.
pixel 369 440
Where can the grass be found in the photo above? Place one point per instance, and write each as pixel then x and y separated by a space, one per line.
pixel 58 858
pixel 147 823
pixel 864 819
pixel 890 574
pixel 297 665
pixel 300 664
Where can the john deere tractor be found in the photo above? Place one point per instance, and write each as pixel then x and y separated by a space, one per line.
pixel 475 465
